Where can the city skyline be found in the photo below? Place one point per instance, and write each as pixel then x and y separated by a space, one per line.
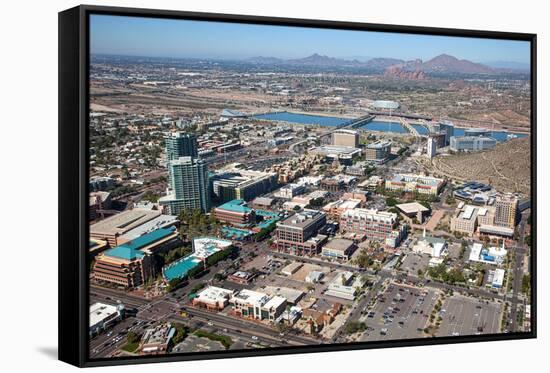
pixel 150 37
pixel 250 205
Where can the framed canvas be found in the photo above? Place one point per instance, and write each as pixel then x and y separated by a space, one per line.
pixel 236 186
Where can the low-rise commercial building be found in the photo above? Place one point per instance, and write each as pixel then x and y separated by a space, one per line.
pixel 103 316
pixel 489 255
pixel 213 298
pixel 495 278
pixel 291 268
pixel 339 248
pixel 256 305
pixel 155 340
pixel 342 286
pixel 292 296
pixel 416 183
pixel 241 277
pixel 373 224
pixel 290 191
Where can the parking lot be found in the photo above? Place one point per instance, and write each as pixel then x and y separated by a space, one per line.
pixel 414 262
pixel 195 344
pixel 468 316
pixel 401 312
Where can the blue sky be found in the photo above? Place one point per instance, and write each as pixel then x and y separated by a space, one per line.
pixel 181 38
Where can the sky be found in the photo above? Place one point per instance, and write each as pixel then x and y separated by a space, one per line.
pixel 153 37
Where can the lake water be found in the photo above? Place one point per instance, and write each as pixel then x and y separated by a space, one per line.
pixel 383 126
pixel 375 125
pixel 303 118
pixel 420 129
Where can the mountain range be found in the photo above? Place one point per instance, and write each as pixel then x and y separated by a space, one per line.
pixel 443 64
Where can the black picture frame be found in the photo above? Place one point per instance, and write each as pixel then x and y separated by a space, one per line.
pixel 73 182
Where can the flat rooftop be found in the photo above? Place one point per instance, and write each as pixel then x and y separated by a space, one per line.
pixel 336 150
pixel 302 219
pixel 412 208
pixel 275 302
pixel 132 249
pixel 420 179
pixel 161 221
pixel 370 214
pixel 214 294
pixel 123 222
pixel 236 205
pixel 101 311
pixel 251 297
pixel 339 244
pixel 379 144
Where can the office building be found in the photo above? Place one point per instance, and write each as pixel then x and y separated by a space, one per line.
pixel 297 233
pixel 345 137
pixel 213 298
pixel 256 305
pixel 374 225
pixel 506 210
pixel 180 144
pixel 495 278
pixel 448 129
pixel 477 132
pixel 242 184
pixel 413 210
pixel 290 191
pixel 130 265
pixel 465 219
pixel 416 183
pixel 343 154
pixel 378 152
pixel 112 228
pixel 431 147
pixel 103 316
pixel 188 186
pixel 235 212
pixel 471 143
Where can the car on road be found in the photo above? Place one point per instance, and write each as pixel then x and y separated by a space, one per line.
pixel 254 338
